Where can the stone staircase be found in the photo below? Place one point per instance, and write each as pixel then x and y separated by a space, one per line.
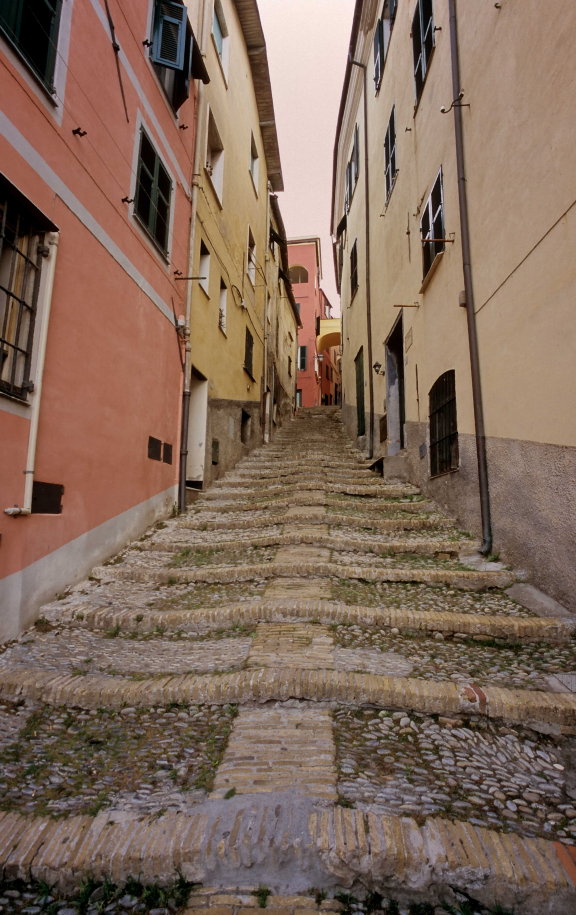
pixel 307 691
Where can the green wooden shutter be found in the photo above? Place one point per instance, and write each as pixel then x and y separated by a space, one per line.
pixel 169 41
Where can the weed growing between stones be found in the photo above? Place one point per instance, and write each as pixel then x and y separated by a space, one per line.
pixel 261 895
pixel 94 896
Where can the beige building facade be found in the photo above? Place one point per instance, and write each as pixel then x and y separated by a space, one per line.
pixel 454 219
pixel 236 284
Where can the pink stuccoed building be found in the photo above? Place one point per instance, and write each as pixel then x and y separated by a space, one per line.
pixel 318 378
pixel 96 166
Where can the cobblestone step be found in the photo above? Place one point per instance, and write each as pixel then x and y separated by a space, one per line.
pixel 541 710
pixel 241 841
pixel 316 694
pixel 205 620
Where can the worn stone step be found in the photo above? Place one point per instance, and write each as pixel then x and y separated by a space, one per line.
pixel 205 620
pixel 461 578
pixel 550 712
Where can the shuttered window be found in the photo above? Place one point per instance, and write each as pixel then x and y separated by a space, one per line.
pixel 382 39
pixel 153 194
pixel 422 43
pixel 169 41
pixel 432 225
pixel 31 26
pixel 390 154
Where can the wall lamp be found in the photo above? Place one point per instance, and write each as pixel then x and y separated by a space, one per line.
pixel 378 368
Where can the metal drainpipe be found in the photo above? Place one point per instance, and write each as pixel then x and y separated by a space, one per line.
pixel 486 546
pixel 186 389
pixel 356 63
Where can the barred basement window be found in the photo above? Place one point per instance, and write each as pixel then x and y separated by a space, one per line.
pixel 153 194
pixel 443 425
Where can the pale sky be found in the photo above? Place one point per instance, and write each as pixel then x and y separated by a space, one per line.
pixel 307 44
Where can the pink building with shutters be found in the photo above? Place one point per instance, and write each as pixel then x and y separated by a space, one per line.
pixel 96 166
pixel 317 380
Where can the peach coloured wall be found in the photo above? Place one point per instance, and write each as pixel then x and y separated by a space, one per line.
pixel 112 373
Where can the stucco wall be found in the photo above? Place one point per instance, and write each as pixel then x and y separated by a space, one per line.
pixel 533 503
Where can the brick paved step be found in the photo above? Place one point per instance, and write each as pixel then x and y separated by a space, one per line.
pixel 539 710
pixel 208 619
pixel 458 578
pixel 289 845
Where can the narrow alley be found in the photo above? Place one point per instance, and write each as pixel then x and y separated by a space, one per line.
pixel 306 693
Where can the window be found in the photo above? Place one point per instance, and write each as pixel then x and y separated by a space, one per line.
pixel 290 366
pixel 251 258
pixel 390 154
pixel 249 353
pixel 298 274
pixel 298 397
pixel 220 35
pixel 153 193
pixel 254 169
pixel 382 39
pixel 443 426
pixel 22 251
pixel 353 269
pixel 352 169
pixel 31 27
pixel 175 52
pixel 422 42
pixel 222 306
pixel 215 157
pixel 432 225
pixel 204 268
pixel 302 358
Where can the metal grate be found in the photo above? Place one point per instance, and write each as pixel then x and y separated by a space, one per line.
pixel 443 425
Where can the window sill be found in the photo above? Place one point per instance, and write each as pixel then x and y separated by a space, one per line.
pixel 433 268
pixel 443 473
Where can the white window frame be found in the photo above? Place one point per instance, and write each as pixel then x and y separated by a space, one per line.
pixel 432 225
pixel 215 157
pixel 221 37
pixel 390 159
pixel 222 306
pixel 204 268
pixel 251 258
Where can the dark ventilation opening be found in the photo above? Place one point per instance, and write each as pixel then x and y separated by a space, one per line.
pixel 154 449
pixel 215 451
pixel 245 427
pixel 443 425
pixel 167 453
pixel 47 498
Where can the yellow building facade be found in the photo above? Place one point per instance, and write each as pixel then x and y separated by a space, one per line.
pixel 454 221
pixel 236 287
